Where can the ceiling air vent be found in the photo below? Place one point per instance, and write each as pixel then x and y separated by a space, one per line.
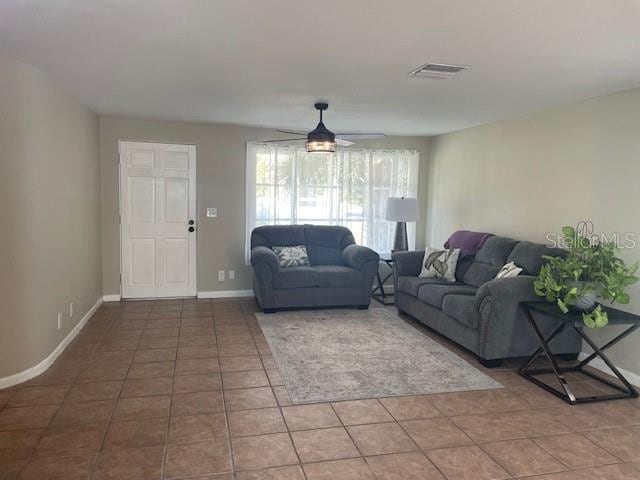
pixel 437 70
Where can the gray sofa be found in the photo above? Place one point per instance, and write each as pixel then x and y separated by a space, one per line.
pixel 341 272
pixel 478 311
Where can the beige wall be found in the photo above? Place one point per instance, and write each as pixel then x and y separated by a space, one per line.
pixel 50 242
pixel 531 175
pixel 220 183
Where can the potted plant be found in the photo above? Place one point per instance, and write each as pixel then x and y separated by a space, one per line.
pixel 589 271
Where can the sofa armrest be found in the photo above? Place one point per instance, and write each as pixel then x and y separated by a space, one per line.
pixel 360 258
pixel 407 264
pixel 511 290
pixel 504 332
pixel 266 256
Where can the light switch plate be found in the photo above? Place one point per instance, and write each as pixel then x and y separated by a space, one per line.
pixel 212 212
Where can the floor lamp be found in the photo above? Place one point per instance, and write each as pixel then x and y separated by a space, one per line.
pixel 401 210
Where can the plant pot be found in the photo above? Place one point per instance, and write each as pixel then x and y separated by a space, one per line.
pixel 585 302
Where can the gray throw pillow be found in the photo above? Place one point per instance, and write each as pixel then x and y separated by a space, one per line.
pixel 293 256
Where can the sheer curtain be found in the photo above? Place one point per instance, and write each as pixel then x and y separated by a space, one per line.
pixel 286 185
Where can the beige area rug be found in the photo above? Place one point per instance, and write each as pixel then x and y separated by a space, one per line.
pixel 328 355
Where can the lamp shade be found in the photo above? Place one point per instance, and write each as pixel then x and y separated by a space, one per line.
pixel 402 209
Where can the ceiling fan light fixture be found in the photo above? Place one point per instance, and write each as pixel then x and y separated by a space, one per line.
pixel 315 146
pixel 321 139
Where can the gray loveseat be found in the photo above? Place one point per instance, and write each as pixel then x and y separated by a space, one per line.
pixel 341 272
pixel 478 311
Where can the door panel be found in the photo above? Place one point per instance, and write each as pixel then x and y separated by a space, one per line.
pixel 176 260
pixel 157 196
pixel 177 161
pixel 142 199
pixel 176 201
pixel 143 251
pixel 141 159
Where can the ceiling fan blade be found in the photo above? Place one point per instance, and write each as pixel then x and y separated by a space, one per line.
pixel 283 140
pixel 361 136
pixel 292 132
pixel 344 143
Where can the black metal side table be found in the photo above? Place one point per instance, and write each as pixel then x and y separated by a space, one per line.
pixel 383 296
pixel 574 320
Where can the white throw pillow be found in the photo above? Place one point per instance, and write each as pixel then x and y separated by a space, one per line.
pixel 509 270
pixel 293 256
pixel 440 263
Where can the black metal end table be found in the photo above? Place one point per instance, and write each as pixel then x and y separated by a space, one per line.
pixel 383 296
pixel 574 320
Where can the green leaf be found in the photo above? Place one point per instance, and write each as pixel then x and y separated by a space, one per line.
pixel 623 298
pixel 601 320
pixel 562 306
pixel 588 320
pixel 596 319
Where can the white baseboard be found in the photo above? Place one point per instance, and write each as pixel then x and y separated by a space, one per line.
pixel 36 370
pixel 226 294
pixel 210 294
pixel 598 364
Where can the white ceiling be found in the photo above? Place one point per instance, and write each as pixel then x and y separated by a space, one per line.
pixel 264 62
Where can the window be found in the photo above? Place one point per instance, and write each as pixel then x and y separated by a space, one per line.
pixel 286 185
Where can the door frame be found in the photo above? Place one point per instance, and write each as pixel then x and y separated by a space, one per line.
pixel 192 150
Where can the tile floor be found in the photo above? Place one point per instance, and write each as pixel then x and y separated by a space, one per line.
pixel 188 389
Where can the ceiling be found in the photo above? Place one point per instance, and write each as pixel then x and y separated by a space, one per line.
pixel 264 62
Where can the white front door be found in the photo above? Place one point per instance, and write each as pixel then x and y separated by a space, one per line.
pixel 157 217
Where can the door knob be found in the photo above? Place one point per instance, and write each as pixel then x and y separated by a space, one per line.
pixel 191 229
pixel 191 222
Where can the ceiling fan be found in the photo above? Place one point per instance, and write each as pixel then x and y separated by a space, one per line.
pixel 321 139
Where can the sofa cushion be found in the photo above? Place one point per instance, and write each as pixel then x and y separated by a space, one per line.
pixel 479 273
pixel 325 243
pixel 461 308
pixel 277 235
pixel 338 276
pixel 528 256
pixel 495 250
pixel 296 277
pixel 435 294
pixel 463 265
pixel 411 285
pixel 490 258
